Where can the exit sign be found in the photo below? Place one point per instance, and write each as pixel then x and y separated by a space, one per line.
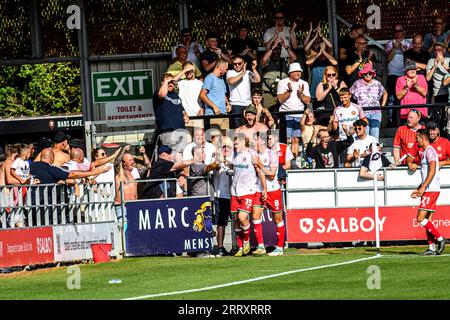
pixel 122 85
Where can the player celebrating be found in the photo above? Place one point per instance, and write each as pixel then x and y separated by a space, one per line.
pixel 243 191
pixel 429 191
pixel 267 161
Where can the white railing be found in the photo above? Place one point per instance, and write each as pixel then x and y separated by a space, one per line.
pixel 343 188
pixel 54 204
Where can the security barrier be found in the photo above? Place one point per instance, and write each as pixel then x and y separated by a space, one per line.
pixel 53 223
pixel 53 204
pixel 335 205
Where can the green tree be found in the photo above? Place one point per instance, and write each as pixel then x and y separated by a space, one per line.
pixel 41 89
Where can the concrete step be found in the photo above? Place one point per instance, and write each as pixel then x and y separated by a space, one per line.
pixel 386 142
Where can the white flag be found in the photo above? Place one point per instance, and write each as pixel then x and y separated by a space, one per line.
pixel 375 159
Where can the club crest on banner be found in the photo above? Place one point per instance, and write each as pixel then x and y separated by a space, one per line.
pixel 203 221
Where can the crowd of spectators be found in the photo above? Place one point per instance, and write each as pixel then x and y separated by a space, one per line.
pixel 283 77
pixel 335 114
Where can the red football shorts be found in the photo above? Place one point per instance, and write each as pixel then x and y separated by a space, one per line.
pixel 242 203
pixel 274 201
pixel 257 201
pixel 428 201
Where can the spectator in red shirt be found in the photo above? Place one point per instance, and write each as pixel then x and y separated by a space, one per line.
pixel 440 144
pixel 284 153
pixel 405 138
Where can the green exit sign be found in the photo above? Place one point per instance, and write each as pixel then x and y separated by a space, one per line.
pixel 122 85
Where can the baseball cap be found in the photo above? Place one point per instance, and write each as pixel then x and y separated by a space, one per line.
pixel 243 25
pixel 295 67
pixel 60 137
pixel 250 109
pixel 431 125
pixel 44 143
pixel 165 149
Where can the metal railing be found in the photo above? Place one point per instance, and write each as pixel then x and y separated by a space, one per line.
pixel 53 204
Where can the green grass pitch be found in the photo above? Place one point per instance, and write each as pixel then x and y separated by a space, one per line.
pixel 403 274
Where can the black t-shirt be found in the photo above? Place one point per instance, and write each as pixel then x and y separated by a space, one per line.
pixel 384 161
pixel 46 173
pixel 160 170
pixel 347 43
pixel 168 112
pixel 420 57
pixel 237 45
pixel 209 56
pixel 326 107
pixel 352 57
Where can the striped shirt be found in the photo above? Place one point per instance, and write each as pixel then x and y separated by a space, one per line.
pixel 405 138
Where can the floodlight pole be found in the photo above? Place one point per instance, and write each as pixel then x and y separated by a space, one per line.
pixel 377 219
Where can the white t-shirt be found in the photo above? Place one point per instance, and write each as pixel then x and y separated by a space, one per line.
pixel 135 173
pixel 396 65
pixel 240 92
pixel 438 77
pixel 293 103
pixel 245 176
pixel 210 152
pixel 347 115
pixel 429 155
pixel 285 34
pixel 107 176
pixel 363 147
pixel 270 162
pixel 22 168
pixel 189 93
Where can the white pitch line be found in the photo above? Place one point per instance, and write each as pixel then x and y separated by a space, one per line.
pixel 249 280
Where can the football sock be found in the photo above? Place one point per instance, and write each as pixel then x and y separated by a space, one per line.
pixel 281 229
pixel 258 231
pixel 246 232
pixel 430 237
pixel 430 228
pixel 239 237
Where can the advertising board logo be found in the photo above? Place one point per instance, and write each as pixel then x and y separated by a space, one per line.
pixel 44 245
pixel 306 225
pixel 202 221
pixel 1 249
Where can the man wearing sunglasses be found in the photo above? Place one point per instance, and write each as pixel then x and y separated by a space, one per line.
pixel 437 35
pixel 192 46
pixel 243 45
pixel 360 148
pixel 440 144
pixel 394 50
pixel 239 81
pixel 326 152
pixel 282 32
pixel 293 95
